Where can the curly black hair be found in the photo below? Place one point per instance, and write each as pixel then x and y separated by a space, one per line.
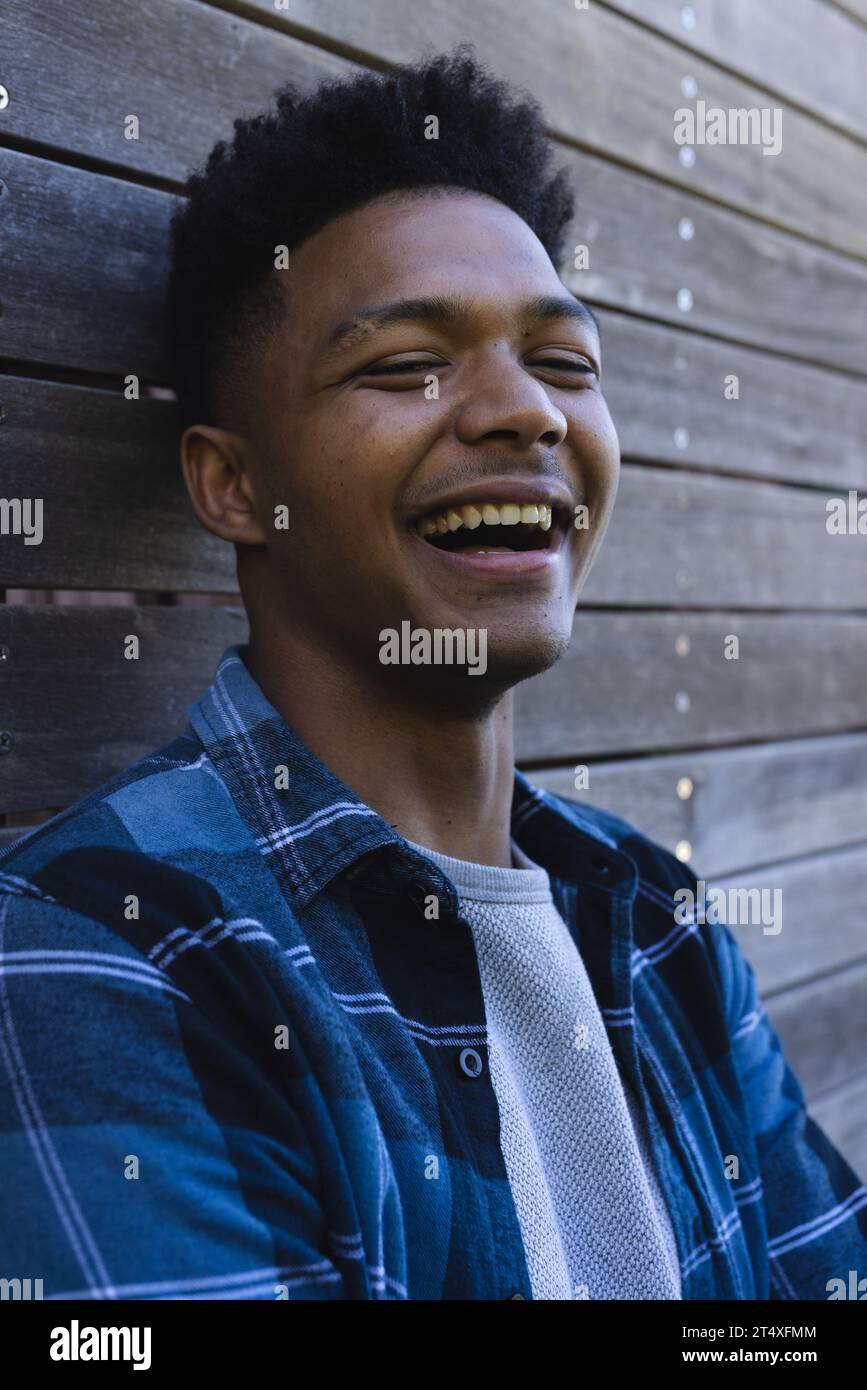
pixel 287 173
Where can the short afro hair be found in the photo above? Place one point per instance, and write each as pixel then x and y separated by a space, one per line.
pixel 287 173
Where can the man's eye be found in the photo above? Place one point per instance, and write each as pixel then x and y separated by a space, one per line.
pixel 567 364
pixel 395 368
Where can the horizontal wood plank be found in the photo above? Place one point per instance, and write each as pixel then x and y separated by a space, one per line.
pixel 614 87
pixel 809 920
pixel 78 711
pixel 87 259
pixel 803 50
pixel 621 685
pixel 696 541
pixel 823 1029
pixel 116 515
pixel 738 807
pixel 791 422
pixel 745 282
pixel 75 73
pixel 187 69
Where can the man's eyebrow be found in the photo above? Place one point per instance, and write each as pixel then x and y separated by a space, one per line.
pixel 438 310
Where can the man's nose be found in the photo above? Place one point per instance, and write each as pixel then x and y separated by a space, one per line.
pixel 504 402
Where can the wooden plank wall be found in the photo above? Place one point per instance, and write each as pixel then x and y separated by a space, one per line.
pixel 735 264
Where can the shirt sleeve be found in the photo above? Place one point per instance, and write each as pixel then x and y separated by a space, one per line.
pixel 145 1152
pixel 816 1205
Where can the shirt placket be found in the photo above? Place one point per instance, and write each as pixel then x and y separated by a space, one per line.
pixel 436 983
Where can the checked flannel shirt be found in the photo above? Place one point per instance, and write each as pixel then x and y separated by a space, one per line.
pixel 230 1042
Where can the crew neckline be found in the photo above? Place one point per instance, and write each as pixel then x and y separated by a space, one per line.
pixel 527 882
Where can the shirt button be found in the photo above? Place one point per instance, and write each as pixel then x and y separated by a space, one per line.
pixel 470 1062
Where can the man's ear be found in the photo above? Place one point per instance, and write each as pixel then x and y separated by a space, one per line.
pixel 215 465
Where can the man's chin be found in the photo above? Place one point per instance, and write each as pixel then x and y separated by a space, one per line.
pixel 510 662
pixel 492 666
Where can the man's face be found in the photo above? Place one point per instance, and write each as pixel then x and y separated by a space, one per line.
pixel 388 437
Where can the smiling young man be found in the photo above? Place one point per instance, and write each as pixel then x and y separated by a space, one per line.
pixel 324 999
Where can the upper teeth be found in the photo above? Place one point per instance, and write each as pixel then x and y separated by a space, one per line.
pixel 491 513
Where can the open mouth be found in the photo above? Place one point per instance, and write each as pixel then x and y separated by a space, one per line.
pixel 490 528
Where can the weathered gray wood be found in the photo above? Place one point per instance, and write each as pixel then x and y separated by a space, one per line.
pixel 790 421
pixel 615 689
pixel 747 806
pixel 116 514
pixel 840 1113
pixel 75 72
pixel 803 50
pixel 717 543
pixel 823 1029
pixel 747 282
pixel 613 87
pixel 85 262
pixel 821 916
pixel 86 257
pixel 78 711
pixel 186 70
pixel 115 509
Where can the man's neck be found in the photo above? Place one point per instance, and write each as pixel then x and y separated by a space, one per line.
pixel 439 778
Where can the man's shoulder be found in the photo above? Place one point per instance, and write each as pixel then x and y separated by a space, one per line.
pixel 676 955
pixel 666 886
pixel 656 865
pixel 139 831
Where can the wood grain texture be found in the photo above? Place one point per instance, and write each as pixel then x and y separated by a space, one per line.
pixel 74 239
pixel 791 422
pixel 116 515
pixel 802 50
pixel 696 541
pixel 76 71
pixel 78 711
pixel 85 263
pixel 747 806
pixel 615 689
pixel 613 87
pixel 747 282
pixel 187 69
pixel 820 917
pixel 823 1029
pixel 88 449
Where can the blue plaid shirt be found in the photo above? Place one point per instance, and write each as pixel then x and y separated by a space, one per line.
pixel 231 1036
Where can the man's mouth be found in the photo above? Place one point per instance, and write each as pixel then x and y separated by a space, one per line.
pixel 489 527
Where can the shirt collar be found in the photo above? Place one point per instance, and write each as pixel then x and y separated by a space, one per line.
pixel 314 827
